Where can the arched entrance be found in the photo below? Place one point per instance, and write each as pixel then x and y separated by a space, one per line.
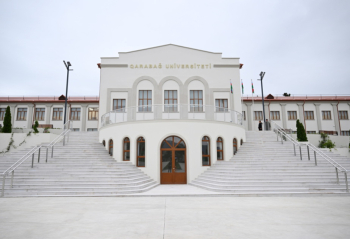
pixel 173 161
pixel 234 146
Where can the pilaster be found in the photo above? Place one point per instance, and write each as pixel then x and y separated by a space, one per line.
pixel 301 113
pixel 13 116
pixel 30 116
pixel 284 116
pixel 249 115
pixel 318 117
pixel 48 114
pixel 336 117
pixel 83 116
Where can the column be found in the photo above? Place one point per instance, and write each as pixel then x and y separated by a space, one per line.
pixel 249 115
pixel 336 117
pixel 30 116
pixel 13 111
pixel 284 116
pixel 48 114
pixel 318 117
pixel 83 116
pixel 301 113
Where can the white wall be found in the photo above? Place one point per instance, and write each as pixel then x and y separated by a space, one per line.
pixel 155 131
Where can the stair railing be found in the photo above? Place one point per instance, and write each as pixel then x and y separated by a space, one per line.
pixel 284 136
pixel 67 128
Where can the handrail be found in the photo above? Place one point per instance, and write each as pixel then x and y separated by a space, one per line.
pixel 172 111
pixel 67 128
pixel 336 165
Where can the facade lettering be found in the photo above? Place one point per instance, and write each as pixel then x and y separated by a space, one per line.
pixel 171 66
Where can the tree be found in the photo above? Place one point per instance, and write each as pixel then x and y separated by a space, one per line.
pixel 301 134
pixel 7 121
pixel 35 127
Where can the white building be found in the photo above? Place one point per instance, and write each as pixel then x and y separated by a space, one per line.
pixel 169 110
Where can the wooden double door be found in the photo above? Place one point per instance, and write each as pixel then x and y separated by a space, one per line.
pixel 173 161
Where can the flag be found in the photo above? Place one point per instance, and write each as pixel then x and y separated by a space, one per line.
pixel 231 87
pixel 242 88
pixel 252 87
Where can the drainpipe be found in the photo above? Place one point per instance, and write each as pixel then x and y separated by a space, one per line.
pixel 338 119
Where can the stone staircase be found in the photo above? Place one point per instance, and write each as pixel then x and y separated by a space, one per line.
pixel 263 166
pixel 81 168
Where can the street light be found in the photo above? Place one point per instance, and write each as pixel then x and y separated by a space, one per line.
pixel 65 105
pixel 262 74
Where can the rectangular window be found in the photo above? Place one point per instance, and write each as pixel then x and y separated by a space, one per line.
pixel 326 115
pixel 343 115
pixel 196 100
pixel 92 129
pixel 345 133
pixel 309 115
pixel 275 115
pixel 243 113
pixel 119 105
pixel 145 100
pixel 311 132
pixel 170 100
pixel 57 113
pixel 75 114
pixel 292 115
pixel 39 114
pixel 76 129
pixel 258 115
pixel 2 113
pixel 93 114
pixel 22 114
pixel 221 105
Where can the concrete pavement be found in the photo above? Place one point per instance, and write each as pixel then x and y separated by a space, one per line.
pixel 175 217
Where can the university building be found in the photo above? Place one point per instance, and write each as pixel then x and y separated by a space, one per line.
pixel 171 111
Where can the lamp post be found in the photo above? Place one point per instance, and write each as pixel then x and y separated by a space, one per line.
pixel 65 104
pixel 262 74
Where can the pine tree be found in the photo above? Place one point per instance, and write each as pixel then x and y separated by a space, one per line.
pixel 35 127
pixel 301 134
pixel 7 121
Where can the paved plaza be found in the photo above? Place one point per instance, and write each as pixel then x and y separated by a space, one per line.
pixel 175 217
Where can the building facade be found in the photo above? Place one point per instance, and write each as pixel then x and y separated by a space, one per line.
pixel 174 111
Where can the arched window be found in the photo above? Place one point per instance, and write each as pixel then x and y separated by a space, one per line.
pixel 241 141
pixel 140 158
pixel 234 146
pixel 104 143
pixel 110 147
pixel 205 151
pixel 126 149
pixel 220 149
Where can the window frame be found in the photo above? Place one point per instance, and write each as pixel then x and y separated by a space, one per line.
pixel 140 140
pixel 73 111
pixel 170 108
pixel 206 139
pixel 260 114
pixel 126 140
pixel 292 113
pixel 2 114
pixel 93 112
pixel 274 113
pixel 325 114
pixel 308 114
pixel 145 107
pixel 119 105
pixel 54 114
pixel 343 115
pixel 194 98
pixel 39 112
pixel 220 140
pixel 220 105
pixel 21 111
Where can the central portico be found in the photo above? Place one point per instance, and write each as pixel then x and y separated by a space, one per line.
pixel 170 111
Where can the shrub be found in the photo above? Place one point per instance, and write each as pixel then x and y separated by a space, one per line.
pixel 35 127
pixel 326 142
pixel 7 121
pixel 301 134
pixel 46 130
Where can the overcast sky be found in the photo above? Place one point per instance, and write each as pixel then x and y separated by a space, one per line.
pixel 302 45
